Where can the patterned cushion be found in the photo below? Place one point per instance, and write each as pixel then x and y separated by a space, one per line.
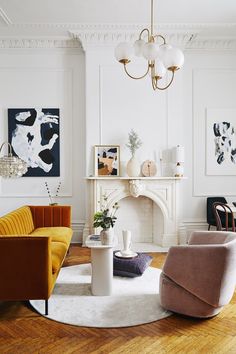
pixel 131 267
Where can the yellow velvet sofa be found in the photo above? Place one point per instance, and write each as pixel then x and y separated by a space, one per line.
pixel 34 241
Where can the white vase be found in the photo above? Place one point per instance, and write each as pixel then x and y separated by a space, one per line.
pixel 107 236
pixel 126 240
pixel 133 167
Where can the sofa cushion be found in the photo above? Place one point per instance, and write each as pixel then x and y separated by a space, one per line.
pixel 58 234
pixel 18 222
pixel 59 250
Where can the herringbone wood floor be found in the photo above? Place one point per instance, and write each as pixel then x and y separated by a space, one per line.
pixel 23 331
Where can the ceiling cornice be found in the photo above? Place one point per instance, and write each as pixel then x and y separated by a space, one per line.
pixel 90 35
pixel 187 36
pixel 38 43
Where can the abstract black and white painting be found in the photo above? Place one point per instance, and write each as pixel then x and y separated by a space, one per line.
pixel 221 142
pixel 35 137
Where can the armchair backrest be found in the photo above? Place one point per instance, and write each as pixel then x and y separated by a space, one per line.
pixel 206 267
pixel 210 214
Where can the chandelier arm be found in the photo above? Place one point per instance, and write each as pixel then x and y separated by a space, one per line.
pixel 144 30
pixel 136 78
pixel 154 86
pixel 166 87
pixel 159 35
pixel 9 146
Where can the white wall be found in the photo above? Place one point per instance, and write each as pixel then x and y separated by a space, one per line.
pixel 47 78
pixel 113 105
pixel 209 82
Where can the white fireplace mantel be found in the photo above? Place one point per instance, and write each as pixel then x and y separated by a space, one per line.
pixel 161 192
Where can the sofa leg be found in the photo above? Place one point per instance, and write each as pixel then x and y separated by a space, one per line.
pixel 46 307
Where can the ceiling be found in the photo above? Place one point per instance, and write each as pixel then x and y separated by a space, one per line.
pixel 55 17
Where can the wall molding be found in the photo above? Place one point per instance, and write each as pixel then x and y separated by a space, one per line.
pixel 39 43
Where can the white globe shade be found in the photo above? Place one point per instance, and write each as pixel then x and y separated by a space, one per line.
pixel 150 51
pixel 138 47
pixel 123 51
pixel 174 58
pixel 163 49
pixel 160 69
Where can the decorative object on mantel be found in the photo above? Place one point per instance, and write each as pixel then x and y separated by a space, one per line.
pixel 107 160
pixel 105 218
pixel 161 159
pixel 49 193
pixel 160 57
pixel 11 166
pixel 149 168
pixel 133 166
pixel 135 188
pixel 179 160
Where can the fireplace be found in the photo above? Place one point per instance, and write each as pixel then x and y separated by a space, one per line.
pixel 149 207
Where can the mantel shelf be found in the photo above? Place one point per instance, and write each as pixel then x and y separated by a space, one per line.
pixel 132 178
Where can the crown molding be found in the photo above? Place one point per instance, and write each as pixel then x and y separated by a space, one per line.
pixel 40 43
pixel 90 35
pixel 187 36
pixel 4 17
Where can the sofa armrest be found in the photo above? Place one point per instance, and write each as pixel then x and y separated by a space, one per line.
pixel 200 270
pixel 49 216
pixel 25 268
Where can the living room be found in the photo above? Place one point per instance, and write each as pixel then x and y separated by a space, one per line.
pixel 60 70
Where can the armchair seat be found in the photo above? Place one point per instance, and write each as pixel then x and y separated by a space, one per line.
pixel 199 279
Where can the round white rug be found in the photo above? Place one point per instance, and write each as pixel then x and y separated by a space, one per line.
pixel 134 301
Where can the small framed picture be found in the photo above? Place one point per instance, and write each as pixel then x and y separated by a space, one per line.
pixel 107 160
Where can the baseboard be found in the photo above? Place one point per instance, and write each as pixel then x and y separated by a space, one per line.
pixel 187 227
pixel 77 227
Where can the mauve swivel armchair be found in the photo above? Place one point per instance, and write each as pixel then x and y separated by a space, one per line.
pixel 198 279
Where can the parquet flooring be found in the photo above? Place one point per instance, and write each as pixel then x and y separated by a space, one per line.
pixel 23 331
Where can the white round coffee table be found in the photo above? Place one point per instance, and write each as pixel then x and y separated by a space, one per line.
pixel 102 267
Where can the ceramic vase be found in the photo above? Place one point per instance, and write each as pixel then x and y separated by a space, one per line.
pixel 133 167
pixel 107 236
pixel 126 240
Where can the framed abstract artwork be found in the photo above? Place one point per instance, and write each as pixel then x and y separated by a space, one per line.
pixel 35 137
pixel 107 160
pixel 221 142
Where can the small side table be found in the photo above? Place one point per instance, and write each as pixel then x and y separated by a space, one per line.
pixel 102 267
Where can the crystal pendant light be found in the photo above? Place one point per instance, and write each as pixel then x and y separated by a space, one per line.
pixel 11 166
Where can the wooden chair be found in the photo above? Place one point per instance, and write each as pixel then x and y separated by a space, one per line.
pixel 229 223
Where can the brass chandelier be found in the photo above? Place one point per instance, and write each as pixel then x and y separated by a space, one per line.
pixel 161 57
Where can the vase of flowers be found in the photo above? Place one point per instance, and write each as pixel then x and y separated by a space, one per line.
pixel 105 218
pixel 133 165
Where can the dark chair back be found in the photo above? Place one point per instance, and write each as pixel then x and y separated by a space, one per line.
pixel 228 217
pixel 210 213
